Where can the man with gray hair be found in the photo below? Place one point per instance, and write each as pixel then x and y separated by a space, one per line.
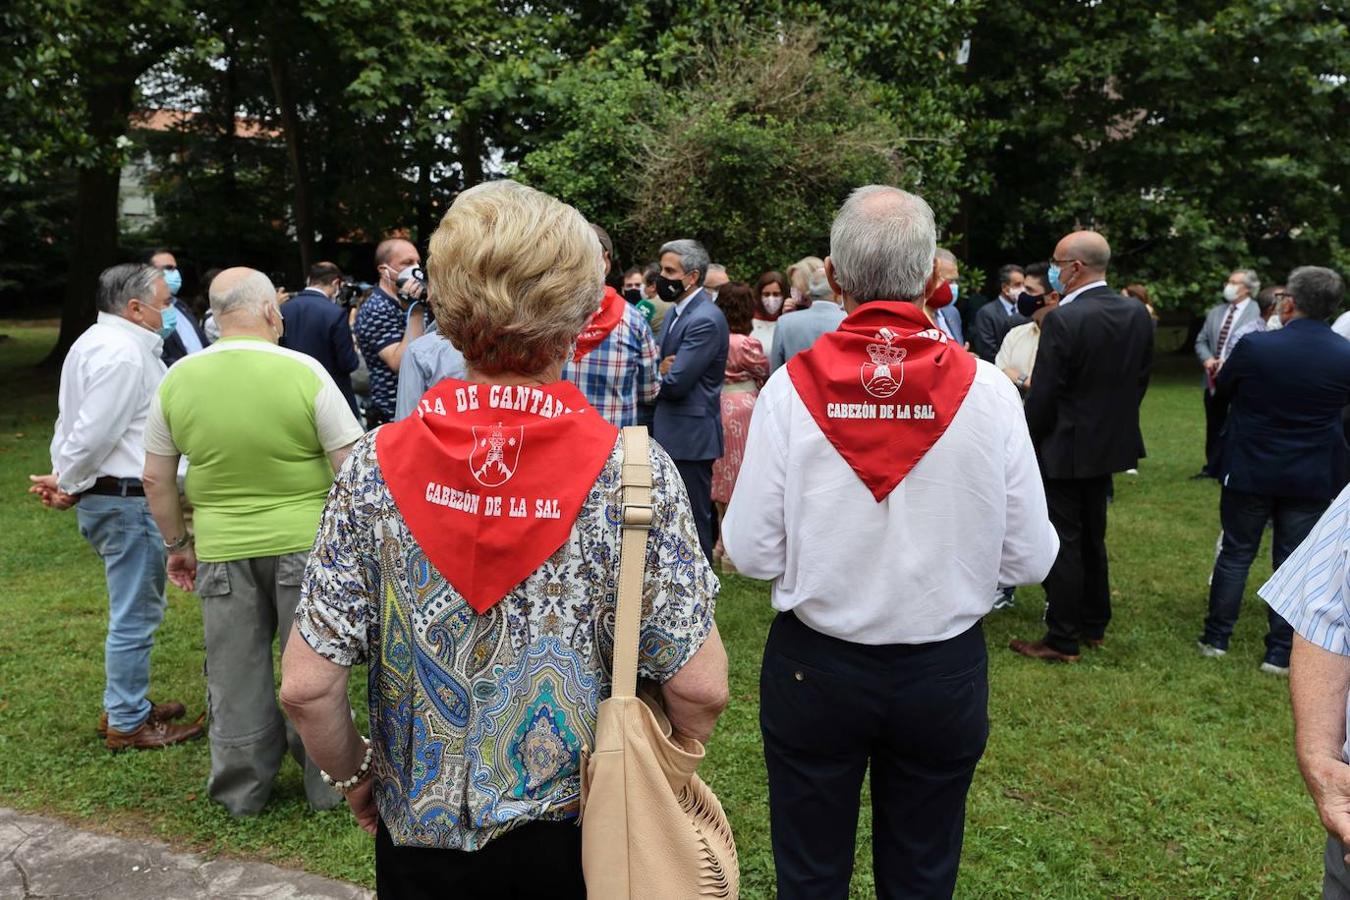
pixel 107 380
pixel 687 420
pixel 264 429
pixel 889 484
pixel 796 331
pixel 1284 457
pixel 1223 327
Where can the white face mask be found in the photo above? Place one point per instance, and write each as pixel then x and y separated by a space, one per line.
pixel 1230 292
pixel 772 303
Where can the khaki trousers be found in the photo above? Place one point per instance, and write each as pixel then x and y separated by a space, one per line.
pixel 246 603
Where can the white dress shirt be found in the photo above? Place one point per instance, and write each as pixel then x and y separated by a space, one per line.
pixel 1073 295
pixel 1018 350
pixel 107 381
pixel 920 566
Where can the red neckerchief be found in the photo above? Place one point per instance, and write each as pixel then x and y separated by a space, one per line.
pixel 602 322
pixel 883 389
pixel 491 478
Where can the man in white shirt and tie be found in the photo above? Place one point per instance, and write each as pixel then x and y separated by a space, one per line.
pixel 1222 325
pixel 882 448
pixel 98 452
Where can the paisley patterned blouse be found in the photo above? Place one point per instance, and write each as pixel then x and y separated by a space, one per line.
pixel 477 721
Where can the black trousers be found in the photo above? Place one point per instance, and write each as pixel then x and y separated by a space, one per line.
pixel 1216 414
pixel 541 859
pixel 1078 587
pixel 917 714
pixel 697 477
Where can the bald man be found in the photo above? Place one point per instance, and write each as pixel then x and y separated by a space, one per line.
pixel 1092 369
pixel 387 323
pixel 264 429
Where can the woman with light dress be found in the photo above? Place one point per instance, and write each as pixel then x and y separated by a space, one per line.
pixel 468 555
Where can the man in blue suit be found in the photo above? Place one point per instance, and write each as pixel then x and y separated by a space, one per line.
pixel 317 326
pixel 1283 455
pixel 694 341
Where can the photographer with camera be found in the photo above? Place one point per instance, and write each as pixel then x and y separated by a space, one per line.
pixel 393 317
pixel 317 325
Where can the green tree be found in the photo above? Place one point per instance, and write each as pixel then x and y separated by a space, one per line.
pixel 751 151
pixel 1198 136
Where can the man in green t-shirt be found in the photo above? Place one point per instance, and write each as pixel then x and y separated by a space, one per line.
pixel 264 429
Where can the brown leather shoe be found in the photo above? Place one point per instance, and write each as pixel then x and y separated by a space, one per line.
pixel 159 712
pixel 153 735
pixel 1040 650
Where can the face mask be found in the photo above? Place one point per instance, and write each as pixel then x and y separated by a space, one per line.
pixel 1055 284
pixel 1029 303
pixel 956 290
pixel 772 303
pixel 174 280
pixel 1230 292
pixel 168 321
pixel 942 296
pixel 669 289
pixel 632 295
pixel 712 293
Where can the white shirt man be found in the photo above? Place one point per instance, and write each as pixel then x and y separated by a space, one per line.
pixel 107 382
pixel 889 485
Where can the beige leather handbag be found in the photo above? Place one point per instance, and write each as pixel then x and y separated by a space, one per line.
pixel 650 828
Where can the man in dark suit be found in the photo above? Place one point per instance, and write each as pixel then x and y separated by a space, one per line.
pixel 1224 325
pixel 187 336
pixel 1092 369
pixel 319 327
pixel 1282 456
pixel 694 340
pixel 994 320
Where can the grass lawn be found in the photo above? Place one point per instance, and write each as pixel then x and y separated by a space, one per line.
pixel 1142 771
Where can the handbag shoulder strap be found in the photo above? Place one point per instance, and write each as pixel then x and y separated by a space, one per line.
pixel 636 523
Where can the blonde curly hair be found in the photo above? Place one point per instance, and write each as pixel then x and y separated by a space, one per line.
pixel 513 276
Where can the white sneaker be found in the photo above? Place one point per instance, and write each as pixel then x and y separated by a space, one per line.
pixel 1003 600
pixel 1131 471
pixel 1272 669
pixel 1210 650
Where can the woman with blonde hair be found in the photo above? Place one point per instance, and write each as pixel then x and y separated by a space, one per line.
pixel 799 277
pixel 469 555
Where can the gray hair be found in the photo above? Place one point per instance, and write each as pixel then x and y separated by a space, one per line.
pixel 1249 279
pixel 249 293
pixel 1317 292
pixel 818 288
pixel 118 285
pixel 883 243
pixel 693 257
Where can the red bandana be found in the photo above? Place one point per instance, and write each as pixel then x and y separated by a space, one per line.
pixel 491 478
pixel 602 322
pixel 883 389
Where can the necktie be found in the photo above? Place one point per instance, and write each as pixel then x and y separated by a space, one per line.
pixel 1223 331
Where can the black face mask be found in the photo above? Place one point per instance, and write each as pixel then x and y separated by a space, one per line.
pixel 632 295
pixel 1029 303
pixel 669 289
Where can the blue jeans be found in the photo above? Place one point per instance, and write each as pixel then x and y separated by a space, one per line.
pixel 1244 517
pixel 124 536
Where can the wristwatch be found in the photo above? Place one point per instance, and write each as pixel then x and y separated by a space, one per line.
pixel 180 543
pixel 1022 381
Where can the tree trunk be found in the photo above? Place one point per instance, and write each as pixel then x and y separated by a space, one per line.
pixel 295 150
pixel 426 220
pixel 470 152
pixel 93 247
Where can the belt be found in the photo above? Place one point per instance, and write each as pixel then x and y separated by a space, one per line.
pixel 117 487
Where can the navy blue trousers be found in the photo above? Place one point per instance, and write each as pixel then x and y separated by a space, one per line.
pixel 829 709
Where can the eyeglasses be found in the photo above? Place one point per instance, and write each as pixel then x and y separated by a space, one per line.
pixel 1062 262
pixel 1283 295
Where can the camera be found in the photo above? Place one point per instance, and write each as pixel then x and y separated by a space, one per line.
pixel 412 285
pixel 350 292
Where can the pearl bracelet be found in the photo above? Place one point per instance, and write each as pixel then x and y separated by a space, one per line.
pixel 343 787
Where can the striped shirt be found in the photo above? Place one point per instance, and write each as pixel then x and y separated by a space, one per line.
pixel 620 373
pixel 1312 589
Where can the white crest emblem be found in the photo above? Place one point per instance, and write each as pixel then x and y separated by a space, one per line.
pixel 496 454
pixel 883 376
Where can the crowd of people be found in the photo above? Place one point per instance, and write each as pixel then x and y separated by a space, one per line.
pixel 834 428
